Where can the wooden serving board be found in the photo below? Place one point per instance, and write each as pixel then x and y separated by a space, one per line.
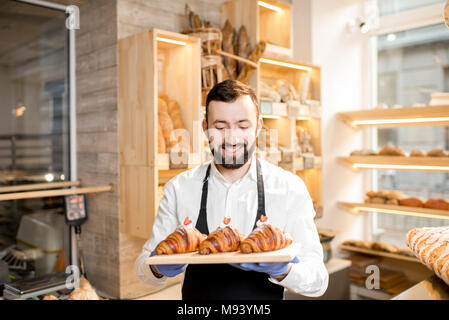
pixel 283 255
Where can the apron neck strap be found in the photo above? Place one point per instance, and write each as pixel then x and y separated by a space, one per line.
pixel 201 223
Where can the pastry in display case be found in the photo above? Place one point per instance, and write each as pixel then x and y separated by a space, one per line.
pixel 391 150
pixel 438 153
pixel 417 153
pixel 378 246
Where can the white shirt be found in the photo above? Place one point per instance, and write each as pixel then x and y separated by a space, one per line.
pixel 288 206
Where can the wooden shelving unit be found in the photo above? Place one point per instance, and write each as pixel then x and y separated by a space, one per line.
pixel 274 26
pixel 397 117
pixel 378 253
pixel 440 164
pixel 358 208
pixel 286 122
pixel 151 63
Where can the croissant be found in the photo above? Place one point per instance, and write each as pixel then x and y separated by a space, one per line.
pixel 180 241
pixel 265 238
pixel 221 240
pixel 431 246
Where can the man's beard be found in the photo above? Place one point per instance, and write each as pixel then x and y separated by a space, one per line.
pixel 233 163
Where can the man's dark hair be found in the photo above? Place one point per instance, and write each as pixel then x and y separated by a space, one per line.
pixel 229 91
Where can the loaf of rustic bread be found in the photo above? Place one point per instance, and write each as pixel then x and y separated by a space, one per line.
pixel 431 246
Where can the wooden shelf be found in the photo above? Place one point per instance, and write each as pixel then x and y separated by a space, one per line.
pixel 440 164
pixel 378 253
pixel 39 186
pixel 357 208
pixel 53 193
pixel 399 117
pixel 280 109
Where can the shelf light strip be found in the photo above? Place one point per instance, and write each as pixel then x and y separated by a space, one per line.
pixel 400 167
pixel 269 6
pixel 391 121
pixel 270 116
pixel 401 212
pixel 182 43
pixel 285 64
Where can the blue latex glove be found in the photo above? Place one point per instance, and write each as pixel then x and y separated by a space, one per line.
pixel 169 270
pixel 273 269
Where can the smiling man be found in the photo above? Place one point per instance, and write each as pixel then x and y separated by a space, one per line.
pixel 237 185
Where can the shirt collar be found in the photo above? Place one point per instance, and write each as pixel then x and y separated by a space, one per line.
pixel 252 172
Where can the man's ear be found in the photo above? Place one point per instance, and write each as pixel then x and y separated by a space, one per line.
pixel 204 124
pixel 259 126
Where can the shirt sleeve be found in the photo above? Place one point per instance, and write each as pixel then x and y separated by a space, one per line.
pixel 166 221
pixel 308 277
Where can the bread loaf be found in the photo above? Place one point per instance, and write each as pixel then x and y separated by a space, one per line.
pixel 394 202
pixel 418 153
pixel 436 203
pixel 228 46
pixel 255 55
pixel 431 246
pixel 166 124
pixel 243 48
pixel 397 195
pixel 174 110
pixel 437 153
pixel 391 150
pixel 412 202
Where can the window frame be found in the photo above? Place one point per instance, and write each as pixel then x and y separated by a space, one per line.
pixel 402 21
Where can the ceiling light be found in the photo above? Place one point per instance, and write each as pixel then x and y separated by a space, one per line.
pixel 391 37
pixel 49 177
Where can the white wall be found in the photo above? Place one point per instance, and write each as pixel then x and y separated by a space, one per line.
pixel 343 58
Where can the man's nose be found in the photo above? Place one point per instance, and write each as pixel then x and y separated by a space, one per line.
pixel 233 136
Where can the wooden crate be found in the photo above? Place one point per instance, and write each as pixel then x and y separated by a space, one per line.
pixel 148 66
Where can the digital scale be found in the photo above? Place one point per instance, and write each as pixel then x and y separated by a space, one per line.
pixel 75 211
pixel 75 215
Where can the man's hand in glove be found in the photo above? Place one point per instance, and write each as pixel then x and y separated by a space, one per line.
pixel 276 270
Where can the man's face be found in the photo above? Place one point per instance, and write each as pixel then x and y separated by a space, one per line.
pixel 232 129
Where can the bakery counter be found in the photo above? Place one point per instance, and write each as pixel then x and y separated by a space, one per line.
pixel 338 287
pixel 432 288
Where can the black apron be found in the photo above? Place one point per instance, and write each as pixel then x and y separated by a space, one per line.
pixel 223 281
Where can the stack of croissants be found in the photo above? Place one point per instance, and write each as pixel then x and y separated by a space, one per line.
pixel 265 237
